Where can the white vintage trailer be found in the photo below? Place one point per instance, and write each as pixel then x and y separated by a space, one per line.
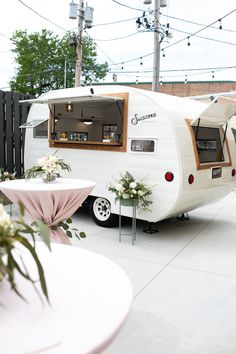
pixel 182 146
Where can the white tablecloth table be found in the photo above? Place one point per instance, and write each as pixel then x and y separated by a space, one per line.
pixel 51 202
pixel 90 299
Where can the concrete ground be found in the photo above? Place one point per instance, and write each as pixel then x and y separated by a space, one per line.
pixel 184 281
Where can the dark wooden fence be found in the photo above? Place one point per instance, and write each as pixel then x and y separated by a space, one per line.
pixel 12 115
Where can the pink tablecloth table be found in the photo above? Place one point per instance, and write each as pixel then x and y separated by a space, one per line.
pixel 50 202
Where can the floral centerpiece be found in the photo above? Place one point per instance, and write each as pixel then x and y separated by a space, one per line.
pixel 5 176
pixel 49 167
pixel 128 189
pixel 15 233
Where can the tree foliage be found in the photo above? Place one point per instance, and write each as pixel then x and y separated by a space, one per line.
pixel 41 59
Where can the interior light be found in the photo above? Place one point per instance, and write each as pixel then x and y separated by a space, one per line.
pixel 87 121
pixel 69 107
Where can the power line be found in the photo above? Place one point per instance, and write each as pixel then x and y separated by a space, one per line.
pixel 179 41
pixel 129 7
pixel 53 23
pixel 114 22
pixel 118 38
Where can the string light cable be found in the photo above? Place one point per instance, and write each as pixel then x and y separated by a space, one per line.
pixel 207 38
pixel 181 40
pixel 196 23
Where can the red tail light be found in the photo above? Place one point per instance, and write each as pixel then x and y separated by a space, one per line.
pixel 190 179
pixel 169 176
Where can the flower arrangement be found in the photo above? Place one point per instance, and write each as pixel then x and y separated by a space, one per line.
pixel 6 176
pixel 49 167
pixel 12 234
pixel 127 188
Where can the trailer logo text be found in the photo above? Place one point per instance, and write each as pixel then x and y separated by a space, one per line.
pixel 137 119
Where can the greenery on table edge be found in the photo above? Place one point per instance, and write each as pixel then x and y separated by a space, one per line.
pixel 12 233
pixel 65 225
pixel 127 188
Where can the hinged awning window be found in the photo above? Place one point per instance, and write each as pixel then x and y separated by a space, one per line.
pixel 78 99
pixel 33 123
pixel 218 113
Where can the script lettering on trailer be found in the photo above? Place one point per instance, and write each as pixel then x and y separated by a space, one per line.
pixel 137 119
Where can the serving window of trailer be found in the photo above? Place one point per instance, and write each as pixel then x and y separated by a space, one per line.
pixel 92 122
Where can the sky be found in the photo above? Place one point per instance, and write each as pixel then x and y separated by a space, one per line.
pixel 210 55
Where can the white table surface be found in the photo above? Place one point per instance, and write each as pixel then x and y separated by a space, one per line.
pixel 36 184
pixel 90 300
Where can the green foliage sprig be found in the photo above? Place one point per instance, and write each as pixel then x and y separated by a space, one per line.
pixel 18 232
pixel 70 231
pixel 128 188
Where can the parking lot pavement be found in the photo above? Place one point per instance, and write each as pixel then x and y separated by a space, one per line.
pixel 184 280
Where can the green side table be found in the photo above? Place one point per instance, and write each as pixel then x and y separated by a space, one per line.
pixel 133 203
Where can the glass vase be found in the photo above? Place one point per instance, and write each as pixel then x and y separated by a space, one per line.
pixel 49 177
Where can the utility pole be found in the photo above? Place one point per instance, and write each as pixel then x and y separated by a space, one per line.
pixel 156 55
pixel 83 15
pixel 78 49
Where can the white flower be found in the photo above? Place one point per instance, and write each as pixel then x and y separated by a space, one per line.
pixel 125 196
pixel 42 160
pixel 4 217
pixel 119 187
pixel 134 191
pixel 52 159
pixel 133 185
pixel 141 193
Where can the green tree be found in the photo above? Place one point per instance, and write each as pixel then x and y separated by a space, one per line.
pixel 41 57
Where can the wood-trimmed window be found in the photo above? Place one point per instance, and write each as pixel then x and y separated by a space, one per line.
pixel 102 114
pixel 209 148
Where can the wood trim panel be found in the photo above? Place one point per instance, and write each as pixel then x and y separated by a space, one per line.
pixel 93 145
pixel 199 165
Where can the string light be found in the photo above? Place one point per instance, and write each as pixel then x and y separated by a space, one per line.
pixel 220 26
pixel 141 61
pixel 188 42
pixel 136 80
pixel 161 82
pixel 213 76
pixel 186 79
pixel 163 53
pixel 122 66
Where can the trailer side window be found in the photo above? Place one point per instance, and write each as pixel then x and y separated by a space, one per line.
pixel 209 145
pixel 142 145
pixel 41 130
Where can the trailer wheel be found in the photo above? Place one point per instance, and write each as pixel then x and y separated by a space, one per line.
pixel 100 209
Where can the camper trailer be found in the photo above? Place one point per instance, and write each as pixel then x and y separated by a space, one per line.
pixel 183 147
